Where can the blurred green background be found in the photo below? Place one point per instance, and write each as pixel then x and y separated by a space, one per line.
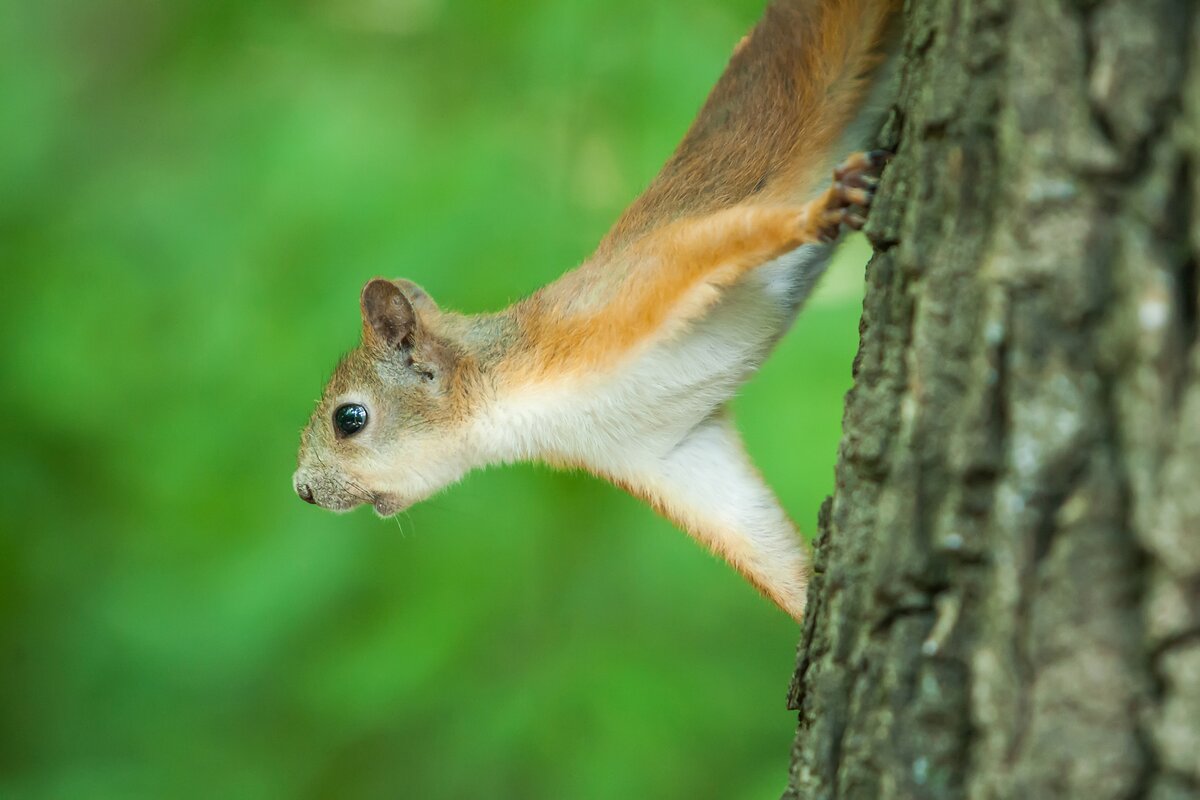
pixel 191 195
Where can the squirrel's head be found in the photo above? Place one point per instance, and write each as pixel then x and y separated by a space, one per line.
pixel 389 427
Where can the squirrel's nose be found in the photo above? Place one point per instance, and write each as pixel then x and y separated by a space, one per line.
pixel 305 493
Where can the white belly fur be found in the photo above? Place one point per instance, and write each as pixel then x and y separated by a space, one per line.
pixel 643 409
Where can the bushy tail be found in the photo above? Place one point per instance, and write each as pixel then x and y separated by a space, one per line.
pixel 776 120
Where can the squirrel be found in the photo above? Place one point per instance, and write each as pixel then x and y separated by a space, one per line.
pixel 625 366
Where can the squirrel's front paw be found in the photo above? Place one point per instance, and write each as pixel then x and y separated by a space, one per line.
pixel 849 199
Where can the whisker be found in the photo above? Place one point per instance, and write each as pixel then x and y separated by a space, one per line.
pixel 360 487
pixel 349 485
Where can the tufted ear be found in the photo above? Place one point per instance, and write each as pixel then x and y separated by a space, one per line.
pixel 388 316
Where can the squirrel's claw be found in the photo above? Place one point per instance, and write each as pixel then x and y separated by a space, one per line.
pixel 848 201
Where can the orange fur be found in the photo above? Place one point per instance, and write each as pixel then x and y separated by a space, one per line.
pixel 765 132
pixel 728 200
pixel 448 393
pixel 670 277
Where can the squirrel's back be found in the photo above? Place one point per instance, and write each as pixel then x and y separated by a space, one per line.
pixel 770 129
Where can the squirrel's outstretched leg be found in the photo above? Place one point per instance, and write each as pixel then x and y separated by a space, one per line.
pixel 675 274
pixel 707 485
pixel 715 250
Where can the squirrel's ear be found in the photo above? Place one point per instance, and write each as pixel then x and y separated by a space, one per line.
pixel 419 298
pixel 388 316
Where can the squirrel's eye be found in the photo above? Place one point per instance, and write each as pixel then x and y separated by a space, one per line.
pixel 350 418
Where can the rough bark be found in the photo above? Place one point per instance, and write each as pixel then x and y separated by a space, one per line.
pixel 1007 591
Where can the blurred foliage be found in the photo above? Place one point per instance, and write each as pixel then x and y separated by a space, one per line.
pixel 191 194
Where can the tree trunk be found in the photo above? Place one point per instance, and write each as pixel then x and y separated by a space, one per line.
pixel 1007 593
